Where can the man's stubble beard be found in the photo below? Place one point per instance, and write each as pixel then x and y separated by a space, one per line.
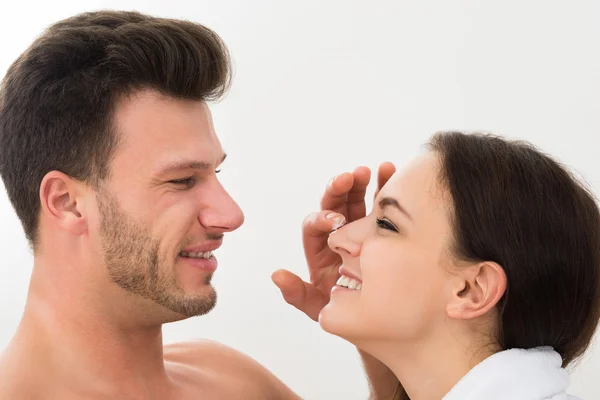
pixel 131 256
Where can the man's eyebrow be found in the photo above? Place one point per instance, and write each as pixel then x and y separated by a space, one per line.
pixel 187 164
pixel 390 201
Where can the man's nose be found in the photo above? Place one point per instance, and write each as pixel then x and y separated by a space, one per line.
pixel 219 211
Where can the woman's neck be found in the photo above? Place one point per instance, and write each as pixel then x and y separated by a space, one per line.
pixel 428 370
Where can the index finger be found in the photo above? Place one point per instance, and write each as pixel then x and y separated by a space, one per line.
pixel 336 193
pixel 357 207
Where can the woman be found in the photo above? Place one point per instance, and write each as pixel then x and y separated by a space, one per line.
pixel 476 275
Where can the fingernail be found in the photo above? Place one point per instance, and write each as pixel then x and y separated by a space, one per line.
pixel 331 182
pixel 338 219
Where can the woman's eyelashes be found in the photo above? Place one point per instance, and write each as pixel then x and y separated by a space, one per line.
pixel 385 224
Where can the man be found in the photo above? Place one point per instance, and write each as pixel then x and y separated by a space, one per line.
pixel 109 157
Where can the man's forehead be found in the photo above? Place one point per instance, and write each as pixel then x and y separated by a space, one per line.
pixel 155 137
pixel 148 113
pixel 156 126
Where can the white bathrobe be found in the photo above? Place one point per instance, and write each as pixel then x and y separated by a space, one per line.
pixel 516 374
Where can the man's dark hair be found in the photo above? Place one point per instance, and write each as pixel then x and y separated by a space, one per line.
pixel 58 98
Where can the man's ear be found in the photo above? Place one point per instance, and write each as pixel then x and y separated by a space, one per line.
pixel 61 200
pixel 476 289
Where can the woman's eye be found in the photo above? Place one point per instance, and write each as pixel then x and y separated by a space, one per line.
pixel 385 224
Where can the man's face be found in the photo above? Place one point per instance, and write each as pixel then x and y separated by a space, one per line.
pixel 163 211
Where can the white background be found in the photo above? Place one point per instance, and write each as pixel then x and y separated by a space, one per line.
pixel 322 86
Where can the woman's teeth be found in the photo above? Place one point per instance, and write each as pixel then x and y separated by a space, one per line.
pixel 206 254
pixel 350 283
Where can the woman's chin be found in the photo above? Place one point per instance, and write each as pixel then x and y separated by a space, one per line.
pixel 334 321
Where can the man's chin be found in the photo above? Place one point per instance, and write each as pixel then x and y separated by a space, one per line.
pixel 191 304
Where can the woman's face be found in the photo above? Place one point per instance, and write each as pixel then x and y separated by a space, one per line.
pixel 397 257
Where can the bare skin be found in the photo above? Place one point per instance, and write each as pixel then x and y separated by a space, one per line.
pixel 110 270
pixel 201 369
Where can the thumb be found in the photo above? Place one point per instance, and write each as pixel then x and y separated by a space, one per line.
pixel 302 295
pixel 290 285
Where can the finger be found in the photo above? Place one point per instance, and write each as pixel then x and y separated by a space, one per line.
pixel 385 172
pixel 337 189
pixel 316 229
pixel 290 285
pixel 302 295
pixel 320 224
pixel 357 207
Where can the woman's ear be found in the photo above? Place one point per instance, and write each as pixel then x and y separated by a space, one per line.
pixel 477 289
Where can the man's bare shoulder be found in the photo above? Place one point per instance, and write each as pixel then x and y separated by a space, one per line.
pixel 205 348
pixel 210 358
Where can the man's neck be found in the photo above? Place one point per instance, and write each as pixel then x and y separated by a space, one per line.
pixel 89 342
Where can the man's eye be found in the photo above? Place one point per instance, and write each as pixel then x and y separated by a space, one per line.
pixel 217 171
pixel 183 182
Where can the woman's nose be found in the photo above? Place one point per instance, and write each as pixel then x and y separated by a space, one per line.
pixel 342 242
